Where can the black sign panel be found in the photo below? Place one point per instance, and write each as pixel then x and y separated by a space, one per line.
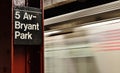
pixel 27 26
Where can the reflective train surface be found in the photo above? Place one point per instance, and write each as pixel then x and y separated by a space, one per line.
pixel 93 48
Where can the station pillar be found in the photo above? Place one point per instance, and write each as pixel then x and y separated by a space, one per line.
pixel 21 36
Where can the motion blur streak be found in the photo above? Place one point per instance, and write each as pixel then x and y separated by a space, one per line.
pixel 93 48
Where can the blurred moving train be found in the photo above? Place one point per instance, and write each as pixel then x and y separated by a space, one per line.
pixel 92 48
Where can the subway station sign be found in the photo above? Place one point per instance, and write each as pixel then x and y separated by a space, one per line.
pixel 27 26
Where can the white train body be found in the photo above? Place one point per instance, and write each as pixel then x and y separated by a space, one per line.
pixel 93 48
